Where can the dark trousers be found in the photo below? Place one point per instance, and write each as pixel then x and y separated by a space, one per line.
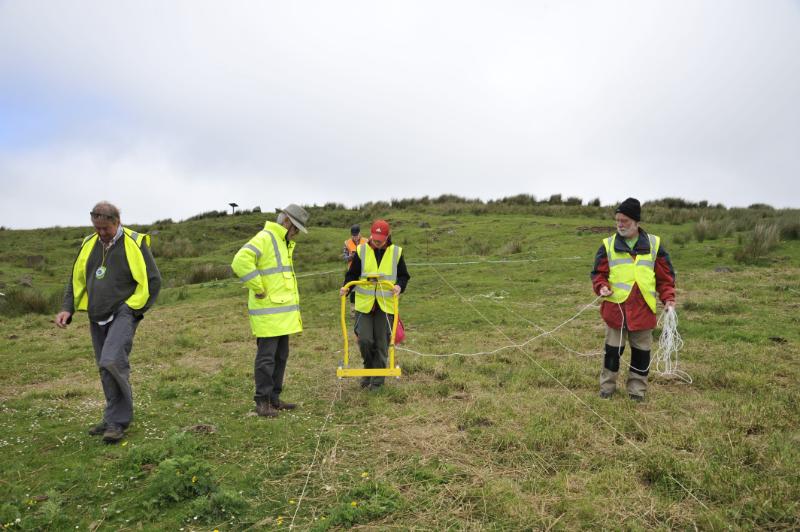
pixel 112 346
pixel 270 365
pixel 373 331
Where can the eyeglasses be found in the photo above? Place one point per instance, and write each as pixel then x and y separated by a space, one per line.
pixel 101 216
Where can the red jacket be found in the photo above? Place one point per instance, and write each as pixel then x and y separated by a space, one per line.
pixel 634 311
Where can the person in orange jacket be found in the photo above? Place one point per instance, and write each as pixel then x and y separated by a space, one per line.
pixel 349 252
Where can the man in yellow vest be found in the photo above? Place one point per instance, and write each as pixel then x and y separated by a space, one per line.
pixel 115 280
pixel 349 252
pixel 631 271
pixel 265 267
pixel 378 258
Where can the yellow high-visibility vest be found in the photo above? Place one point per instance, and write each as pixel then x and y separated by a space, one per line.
pixel 133 242
pixel 626 270
pixel 265 266
pixel 371 270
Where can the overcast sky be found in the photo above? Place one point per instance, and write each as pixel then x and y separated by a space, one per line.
pixel 169 109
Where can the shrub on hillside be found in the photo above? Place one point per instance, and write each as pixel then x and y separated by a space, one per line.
pixel 207 214
pixel 594 203
pixel 711 230
pixel 757 244
pixel 202 273
pixel 761 207
pixel 511 247
pixel 790 230
pixel 573 200
pixel 25 300
pixel 174 248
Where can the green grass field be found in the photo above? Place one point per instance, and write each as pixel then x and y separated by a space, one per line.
pixel 516 440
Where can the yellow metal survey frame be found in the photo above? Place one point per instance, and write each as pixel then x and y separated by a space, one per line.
pixel 391 371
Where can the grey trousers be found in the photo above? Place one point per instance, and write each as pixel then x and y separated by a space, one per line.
pixel 373 331
pixel 112 346
pixel 270 366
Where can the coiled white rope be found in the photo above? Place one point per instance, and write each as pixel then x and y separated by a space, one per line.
pixel 669 344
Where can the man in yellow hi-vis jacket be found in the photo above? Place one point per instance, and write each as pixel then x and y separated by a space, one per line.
pixel 115 280
pixel 265 267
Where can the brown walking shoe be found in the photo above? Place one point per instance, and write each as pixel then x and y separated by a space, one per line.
pixel 97 430
pixel 113 434
pixel 266 409
pixel 280 405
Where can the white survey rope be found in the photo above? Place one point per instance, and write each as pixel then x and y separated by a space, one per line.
pixel 669 344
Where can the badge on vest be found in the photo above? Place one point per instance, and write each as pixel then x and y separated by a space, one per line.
pixel 100 272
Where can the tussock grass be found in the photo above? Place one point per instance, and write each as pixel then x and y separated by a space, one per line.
pixel 758 244
pixel 208 272
pixel 517 440
pixel 25 300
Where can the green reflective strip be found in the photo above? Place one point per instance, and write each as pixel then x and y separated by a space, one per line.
pixel 253 249
pixel 363 256
pixel 653 250
pixel 275 248
pixel 364 291
pixel 648 263
pixel 374 292
pixel 623 286
pixel 620 261
pixel 279 269
pixel 273 310
pixel 247 277
pixel 395 259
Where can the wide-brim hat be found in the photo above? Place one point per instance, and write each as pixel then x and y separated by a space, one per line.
pixel 298 216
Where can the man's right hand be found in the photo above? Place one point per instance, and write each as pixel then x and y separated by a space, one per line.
pixel 262 295
pixel 605 291
pixel 62 319
pixel 343 291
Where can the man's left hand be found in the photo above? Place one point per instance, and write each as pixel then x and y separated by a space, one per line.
pixel 669 305
pixel 396 290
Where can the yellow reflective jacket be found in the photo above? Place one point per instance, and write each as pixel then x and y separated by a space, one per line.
pixel 625 270
pixel 133 242
pixel 370 269
pixel 265 266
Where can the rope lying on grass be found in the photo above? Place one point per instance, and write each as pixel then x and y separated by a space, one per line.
pixel 503 348
pixel 565 387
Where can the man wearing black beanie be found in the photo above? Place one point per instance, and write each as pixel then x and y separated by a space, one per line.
pixel 631 271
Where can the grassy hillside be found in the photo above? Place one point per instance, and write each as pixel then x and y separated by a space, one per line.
pixel 514 440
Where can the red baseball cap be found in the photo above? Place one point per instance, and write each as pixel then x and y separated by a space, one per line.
pixel 380 230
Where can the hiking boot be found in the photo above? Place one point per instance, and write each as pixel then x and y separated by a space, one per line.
pixel 266 409
pixel 113 434
pixel 637 398
pixel 280 405
pixel 98 429
pixel 364 383
pixel 605 394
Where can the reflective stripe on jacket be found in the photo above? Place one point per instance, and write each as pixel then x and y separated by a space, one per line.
pixel 133 242
pixel 370 269
pixel 625 270
pixel 265 266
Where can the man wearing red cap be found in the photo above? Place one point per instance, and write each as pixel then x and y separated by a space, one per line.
pixel 378 258
pixel 631 270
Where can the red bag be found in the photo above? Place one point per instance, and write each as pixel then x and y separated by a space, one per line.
pixel 400 333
